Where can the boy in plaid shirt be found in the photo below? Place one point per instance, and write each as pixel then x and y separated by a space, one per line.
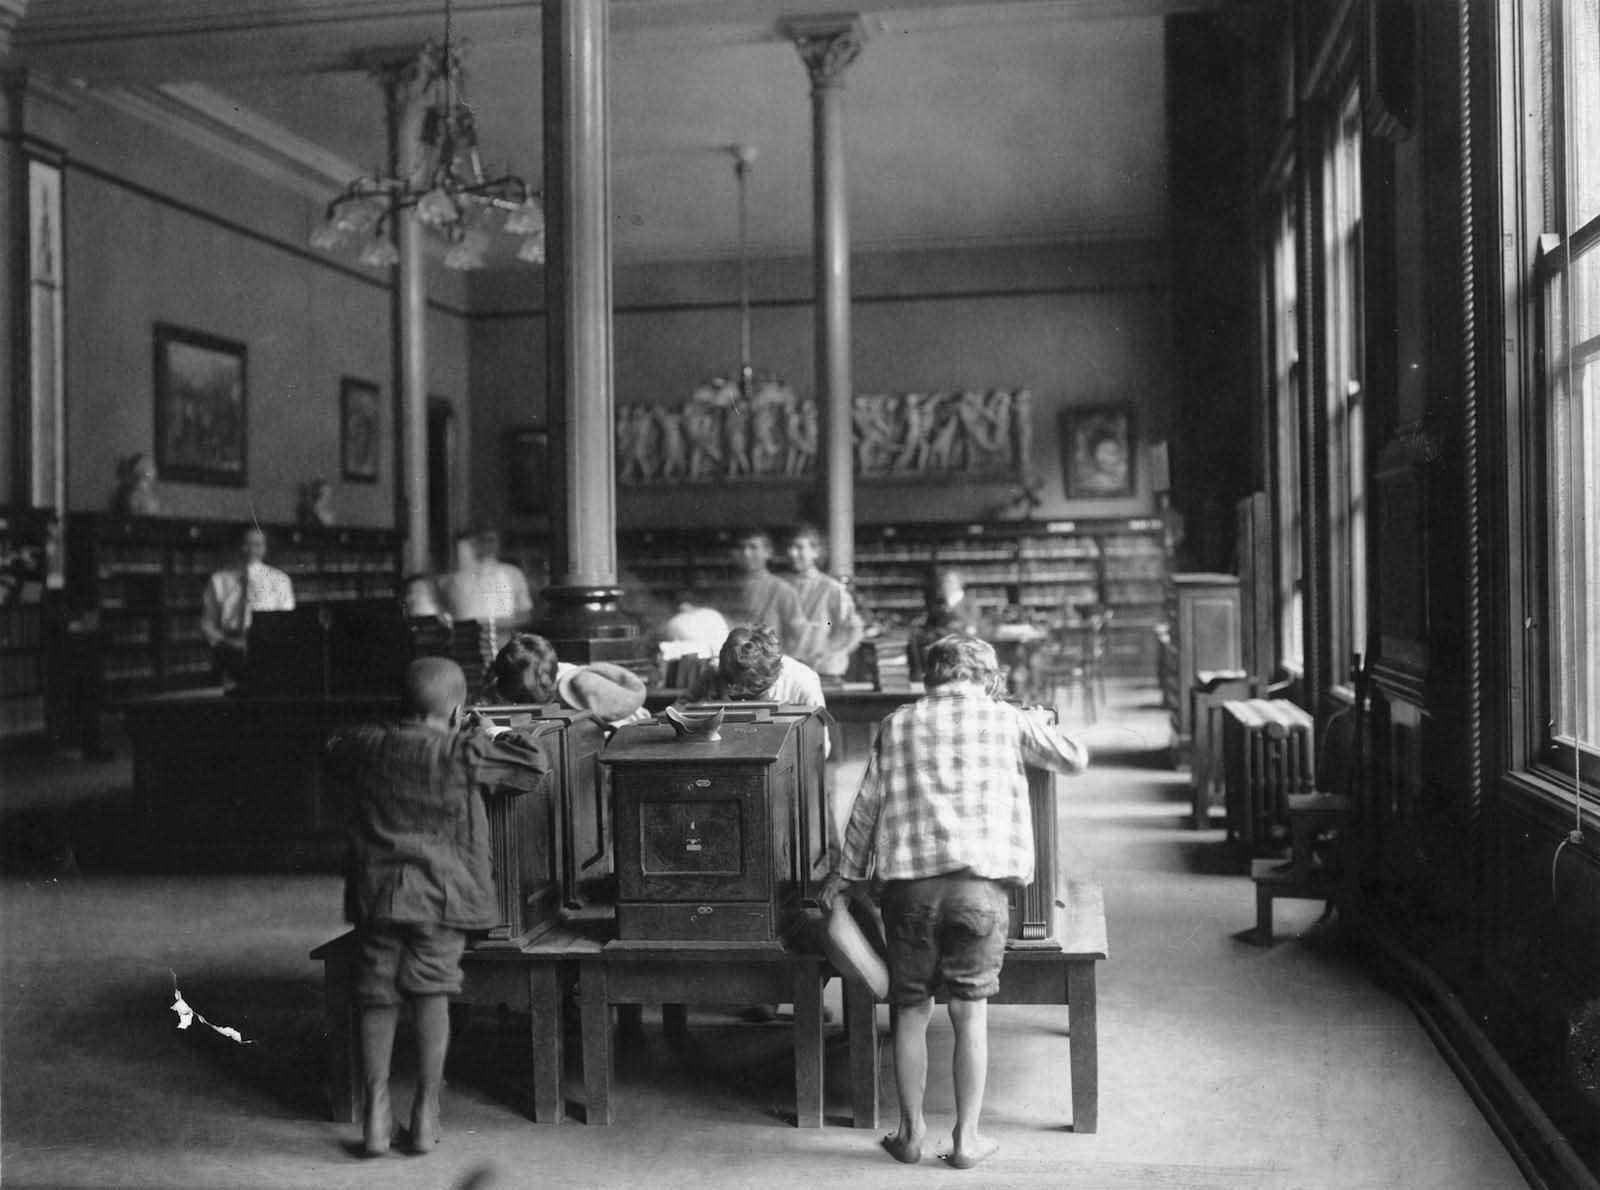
pixel 942 822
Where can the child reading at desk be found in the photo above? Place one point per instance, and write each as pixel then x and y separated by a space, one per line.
pixel 942 823
pixel 418 878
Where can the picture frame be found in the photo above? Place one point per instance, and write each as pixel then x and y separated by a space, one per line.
pixel 360 430
pixel 1099 450
pixel 527 470
pixel 201 407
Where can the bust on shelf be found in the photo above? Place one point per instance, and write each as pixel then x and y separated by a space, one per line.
pixel 136 487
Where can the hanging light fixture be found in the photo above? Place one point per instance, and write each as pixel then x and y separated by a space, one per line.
pixel 449 191
pixel 744 157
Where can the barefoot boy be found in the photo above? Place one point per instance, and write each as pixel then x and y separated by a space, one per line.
pixel 419 877
pixel 942 822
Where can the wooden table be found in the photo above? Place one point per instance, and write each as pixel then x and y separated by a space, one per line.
pixel 1061 971
pixel 676 974
pixel 533 979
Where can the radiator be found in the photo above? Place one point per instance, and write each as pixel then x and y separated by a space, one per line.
pixel 1268 753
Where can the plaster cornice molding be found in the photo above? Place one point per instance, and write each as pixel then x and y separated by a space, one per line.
pixel 11 14
pixel 215 123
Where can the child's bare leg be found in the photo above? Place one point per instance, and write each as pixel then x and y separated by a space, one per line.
pixel 377 1045
pixel 971 1021
pixel 433 1042
pixel 911 1080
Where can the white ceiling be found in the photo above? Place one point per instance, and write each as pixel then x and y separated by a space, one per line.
pixel 994 123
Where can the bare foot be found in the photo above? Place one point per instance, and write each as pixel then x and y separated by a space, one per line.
pixel 905 1149
pixel 980 1150
pixel 424 1125
pixel 377 1125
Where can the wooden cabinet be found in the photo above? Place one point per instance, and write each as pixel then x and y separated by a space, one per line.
pixel 1202 636
pixel 718 839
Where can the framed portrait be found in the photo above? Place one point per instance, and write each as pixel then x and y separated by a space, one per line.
pixel 360 430
pixel 528 469
pixel 201 407
pixel 1098 450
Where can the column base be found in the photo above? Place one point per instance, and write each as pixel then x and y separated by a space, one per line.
pixel 585 625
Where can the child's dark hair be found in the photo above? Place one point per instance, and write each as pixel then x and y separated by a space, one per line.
pixel 524 671
pixel 751 659
pixel 752 533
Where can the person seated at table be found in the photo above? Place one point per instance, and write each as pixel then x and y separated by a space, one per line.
pixel 753 667
pixel 831 628
pixel 234 594
pixel 698 629
pixel 527 671
pixel 419 598
pixel 419 877
pixel 942 823
pixel 948 612
pixel 764 598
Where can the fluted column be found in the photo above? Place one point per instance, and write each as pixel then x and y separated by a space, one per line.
pixel 577 196
pixel 827 46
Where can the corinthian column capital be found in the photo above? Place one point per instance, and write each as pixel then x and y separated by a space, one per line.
pixel 827 44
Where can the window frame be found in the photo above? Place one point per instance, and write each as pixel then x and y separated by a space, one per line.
pixel 1532 198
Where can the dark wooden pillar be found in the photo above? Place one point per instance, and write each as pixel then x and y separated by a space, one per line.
pixel 404 105
pixel 584 623
pixel 828 45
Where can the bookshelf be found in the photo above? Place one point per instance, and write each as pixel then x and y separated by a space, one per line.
pixel 23 539
pixel 147 576
pixel 1056 566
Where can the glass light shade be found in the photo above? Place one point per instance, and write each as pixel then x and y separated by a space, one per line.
pixel 326 237
pixel 527 219
pixel 437 209
pixel 532 249
pixel 462 258
pixel 379 253
pixel 358 216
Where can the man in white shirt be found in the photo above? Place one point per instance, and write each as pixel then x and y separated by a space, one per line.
pixel 485 589
pixel 234 594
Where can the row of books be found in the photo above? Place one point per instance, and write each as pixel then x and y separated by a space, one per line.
pixel 21 628
pixel 20 675
pixel 21 716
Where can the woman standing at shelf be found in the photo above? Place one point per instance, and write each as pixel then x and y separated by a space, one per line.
pixel 831 628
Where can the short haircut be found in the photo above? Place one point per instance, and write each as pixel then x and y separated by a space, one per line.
pixel 752 533
pixel 434 686
pixel 412 580
pixel 751 661
pixel 487 539
pixel 816 535
pixel 960 659
pixel 524 671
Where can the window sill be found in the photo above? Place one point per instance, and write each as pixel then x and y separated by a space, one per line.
pixel 1551 802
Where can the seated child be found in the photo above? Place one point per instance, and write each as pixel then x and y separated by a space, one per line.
pixel 419 876
pixel 752 668
pixel 526 671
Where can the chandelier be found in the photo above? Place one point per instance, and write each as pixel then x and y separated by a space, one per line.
pixel 448 191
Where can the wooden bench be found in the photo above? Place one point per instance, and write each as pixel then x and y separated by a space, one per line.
pixel 1058 970
pixel 533 979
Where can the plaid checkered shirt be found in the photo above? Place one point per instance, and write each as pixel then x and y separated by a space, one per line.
pixel 945 789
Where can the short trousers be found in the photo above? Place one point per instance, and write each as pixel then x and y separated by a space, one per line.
pixel 409 960
pixel 945 932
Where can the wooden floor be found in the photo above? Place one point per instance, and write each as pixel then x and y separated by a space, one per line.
pixel 1222 1065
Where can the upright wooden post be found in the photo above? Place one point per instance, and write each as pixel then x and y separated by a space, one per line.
pixel 828 45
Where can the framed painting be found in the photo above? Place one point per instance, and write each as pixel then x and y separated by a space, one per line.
pixel 360 430
pixel 201 407
pixel 528 465
pixel 1098 448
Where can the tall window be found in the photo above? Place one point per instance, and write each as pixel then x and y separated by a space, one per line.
pixel 1283 301
pixel 1347 489
pixel 1570 259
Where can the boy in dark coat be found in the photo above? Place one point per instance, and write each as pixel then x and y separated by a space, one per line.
pixel 419 877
